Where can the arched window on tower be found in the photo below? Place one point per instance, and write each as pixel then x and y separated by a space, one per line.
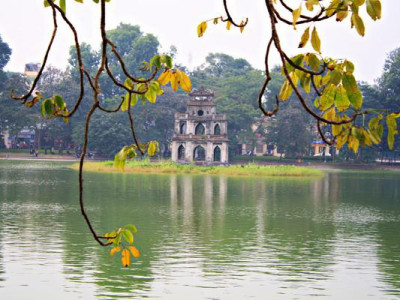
pixel 217 130
pixel 199 154
pixel 217 153
pixel 182 128
pixel 200 130
pixel 181 152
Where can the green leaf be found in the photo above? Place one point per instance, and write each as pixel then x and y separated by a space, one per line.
pixel 117 240
pixel 128 83
pixel 349 83
pixel 59 101
pixel 349 66
pixel 167 60
pixel 156 61
pixel 286 91
pixel 128 236
pixel 313 62
pixel 46 108
pixel 297 60
pixel 63 6
pixel 131 227
pixel 328 97
pixel 151 94
pixel 315 41
pixel 134 99
pixel 353 93
pixel 342 102
pixel 125 104
pixel 46 3
pixel 336 77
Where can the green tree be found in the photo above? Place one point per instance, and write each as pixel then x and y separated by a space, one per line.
pixel 235 82
pixel 5 53
pixel 389 82
pixel 291 132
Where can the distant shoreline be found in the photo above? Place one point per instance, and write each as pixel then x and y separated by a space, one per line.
pixel 313 165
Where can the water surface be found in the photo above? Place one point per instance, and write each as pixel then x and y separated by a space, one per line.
pixel 201 237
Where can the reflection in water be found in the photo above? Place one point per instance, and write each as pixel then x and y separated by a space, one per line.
pixel 205 237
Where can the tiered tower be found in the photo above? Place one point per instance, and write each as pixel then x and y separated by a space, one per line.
pixel 201 135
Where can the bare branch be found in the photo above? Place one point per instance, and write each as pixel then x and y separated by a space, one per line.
pixel 230 19
pixel 25 97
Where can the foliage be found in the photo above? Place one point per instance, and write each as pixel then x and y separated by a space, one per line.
pixel 121 239
pixel 338 99
pixel 5 53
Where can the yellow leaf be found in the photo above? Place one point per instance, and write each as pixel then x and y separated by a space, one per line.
pixel 185 83
pixel 304 38
pixel 358 2
pixel 296 15
pixel 174 81
pixel 125 104
pixel 135 252
pixel 358 23
pixel 286 91
pixel 315 41
pixel 337 129
pixel 33 102
pixel 201 29
pixel 309 6
pixel 114 250
pixel 353 142
pixel 332 7
pixel 228 25
pixel 374 9
pixel 165 77
pixel 242 26
pixel 342 13
pixel 126 258
pixel 152 148
pixel 367 139
pixel 215 21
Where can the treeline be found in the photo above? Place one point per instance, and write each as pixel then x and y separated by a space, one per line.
pixel 235 82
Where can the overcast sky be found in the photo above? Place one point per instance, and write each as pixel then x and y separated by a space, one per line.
pixel 26 26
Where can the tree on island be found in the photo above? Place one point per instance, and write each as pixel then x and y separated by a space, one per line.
pixel 338 104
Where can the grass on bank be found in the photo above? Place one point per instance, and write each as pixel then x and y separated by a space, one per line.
pixel 168 167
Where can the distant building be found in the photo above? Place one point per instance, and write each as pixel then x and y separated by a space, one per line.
pixel 201 135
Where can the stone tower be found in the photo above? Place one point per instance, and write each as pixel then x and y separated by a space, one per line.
pixel 201 135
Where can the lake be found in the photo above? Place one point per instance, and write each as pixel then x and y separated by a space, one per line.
pixel 201 237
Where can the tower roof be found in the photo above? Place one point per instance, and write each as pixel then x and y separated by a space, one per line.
pixel 201 94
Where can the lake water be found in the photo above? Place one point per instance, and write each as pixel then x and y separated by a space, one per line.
pixel 201 237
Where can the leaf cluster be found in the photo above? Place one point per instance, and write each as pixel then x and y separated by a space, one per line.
pixel 122 239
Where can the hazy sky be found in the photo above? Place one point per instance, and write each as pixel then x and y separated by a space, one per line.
pixel 26 26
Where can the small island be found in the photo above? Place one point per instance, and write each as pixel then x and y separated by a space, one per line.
pixel 168 167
